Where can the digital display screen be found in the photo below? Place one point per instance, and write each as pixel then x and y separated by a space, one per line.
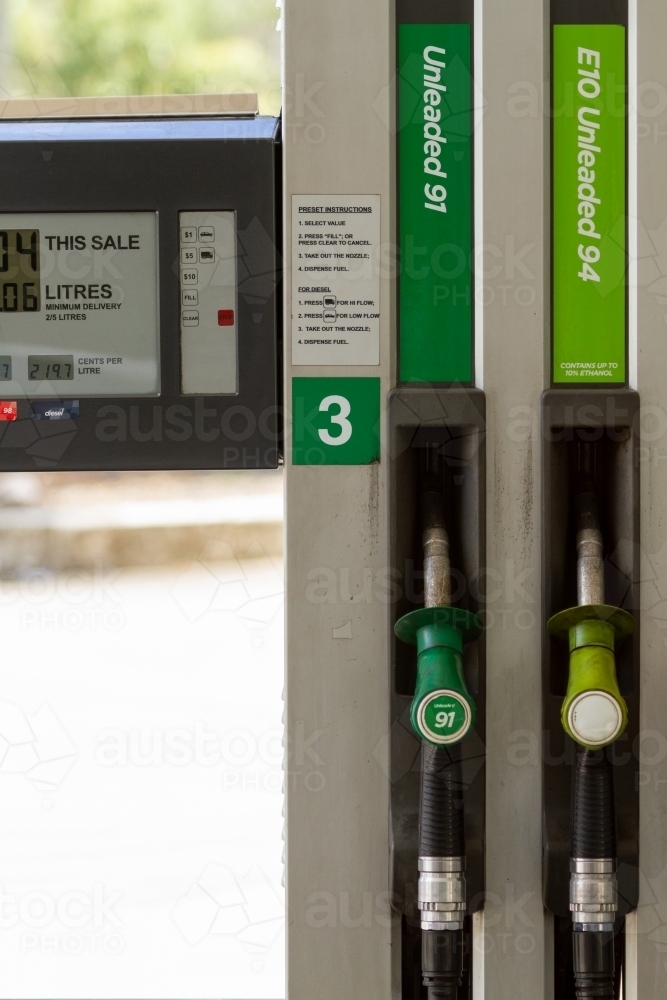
pixel 79 304
pixel 19 270
pixel 51 367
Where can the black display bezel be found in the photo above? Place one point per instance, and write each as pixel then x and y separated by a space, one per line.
pixel 161 166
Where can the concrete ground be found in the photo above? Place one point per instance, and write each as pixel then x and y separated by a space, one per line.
pixel 140 776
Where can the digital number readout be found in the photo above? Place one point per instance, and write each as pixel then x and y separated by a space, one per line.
pixel 19 271
pixel 5 368
pixel 50 367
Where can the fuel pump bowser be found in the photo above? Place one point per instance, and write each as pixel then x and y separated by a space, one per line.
pixel 475 497
pixel 591 471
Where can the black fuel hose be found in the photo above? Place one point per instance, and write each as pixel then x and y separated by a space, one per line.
pixel 593 837
pixel 441 835
pixel 593 812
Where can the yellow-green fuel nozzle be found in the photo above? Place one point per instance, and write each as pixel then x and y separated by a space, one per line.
pixel 594 712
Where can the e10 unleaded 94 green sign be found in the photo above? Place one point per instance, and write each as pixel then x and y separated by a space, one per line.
pixel 589 204
pixel 435 202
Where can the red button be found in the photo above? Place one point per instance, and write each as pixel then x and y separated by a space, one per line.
pixel 225 317
pixel 9 410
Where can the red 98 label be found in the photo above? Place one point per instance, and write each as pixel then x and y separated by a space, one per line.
pixel 9 409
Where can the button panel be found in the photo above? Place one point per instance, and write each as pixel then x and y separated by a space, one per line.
pixel 209 355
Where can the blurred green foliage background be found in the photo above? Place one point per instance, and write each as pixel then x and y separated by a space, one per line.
pixel 106 47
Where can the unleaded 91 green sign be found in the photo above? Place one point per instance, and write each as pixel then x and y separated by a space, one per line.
pixel 435 203
pixel 589 204
pixel 444 717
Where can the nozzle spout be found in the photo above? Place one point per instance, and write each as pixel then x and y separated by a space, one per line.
pixel 437 571
pixel 590 566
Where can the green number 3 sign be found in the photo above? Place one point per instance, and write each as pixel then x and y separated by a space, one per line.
pixel 335 421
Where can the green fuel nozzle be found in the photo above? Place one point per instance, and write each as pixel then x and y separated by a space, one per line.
pixel 442 709
pixel 442 712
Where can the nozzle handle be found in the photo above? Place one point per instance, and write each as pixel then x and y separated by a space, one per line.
pixel 594 712
pixel 442 710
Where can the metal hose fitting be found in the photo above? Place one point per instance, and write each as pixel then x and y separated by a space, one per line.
pixel 593 893
pixel 441 893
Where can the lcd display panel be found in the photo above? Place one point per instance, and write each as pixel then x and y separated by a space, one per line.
pixel 79 304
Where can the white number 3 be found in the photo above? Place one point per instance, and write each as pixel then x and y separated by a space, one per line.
pixel 339 418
